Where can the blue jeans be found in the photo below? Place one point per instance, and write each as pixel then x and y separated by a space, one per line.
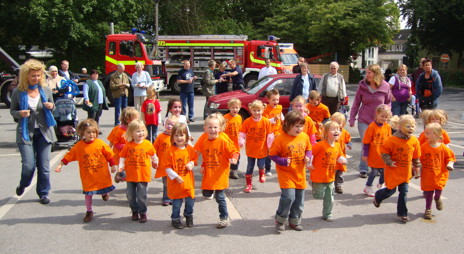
pixel 291 206
pixel 152 132
pixel 268 164
pixel 137 196
pixel 119 104
pixel 221 200
pixel 385 193
pixel 187 99
pixel 251 164
pixel 373 174
pixel 399 108
pixel 235 166
pixel 177 204
pixel 36 155
pixel 362 164
pixel 165 198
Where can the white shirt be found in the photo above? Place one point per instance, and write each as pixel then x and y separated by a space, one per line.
pixel 266 71
pixel 305 86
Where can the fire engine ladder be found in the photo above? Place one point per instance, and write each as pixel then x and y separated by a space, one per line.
pixel 9 60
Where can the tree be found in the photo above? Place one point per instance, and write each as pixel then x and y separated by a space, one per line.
pixel 435 24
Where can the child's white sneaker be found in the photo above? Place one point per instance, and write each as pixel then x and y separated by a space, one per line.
pixel 369 192
pixel 380 186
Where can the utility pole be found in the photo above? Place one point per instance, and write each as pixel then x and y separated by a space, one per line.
pixel 156 31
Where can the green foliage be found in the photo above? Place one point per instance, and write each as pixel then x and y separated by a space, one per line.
pixel 452 78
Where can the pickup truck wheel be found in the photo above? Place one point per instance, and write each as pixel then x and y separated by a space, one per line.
pixel 250 79
pixel 6 93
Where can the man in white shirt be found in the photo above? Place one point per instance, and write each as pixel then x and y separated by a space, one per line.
pixel 332 88
pixel 267 70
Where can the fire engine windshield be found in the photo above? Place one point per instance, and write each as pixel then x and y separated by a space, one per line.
pixel 289 59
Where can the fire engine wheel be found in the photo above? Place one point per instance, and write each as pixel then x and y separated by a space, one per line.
pixel 244 114
pixel 175 87
pixel 250 79
pixel 6 93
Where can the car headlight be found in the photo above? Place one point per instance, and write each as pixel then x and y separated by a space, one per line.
pixel 213 105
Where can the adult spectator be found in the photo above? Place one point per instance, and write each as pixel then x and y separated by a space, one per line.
pixel 54 82
pixel 387 75
pixel 415 78
pixel 303 83
pixel 372 91
pixel 267 70
pixel 186 77
pixel 429 87
pixel 208 83
pixel 418 71
pixel 223 85
pixel 84 70
pixel 119 84
pixel 236 75
pixel 94 97
pixel 400 86
pixel 332 88
pixel 31 104
pixel 66 73
pixel 141 80
pixel 297 68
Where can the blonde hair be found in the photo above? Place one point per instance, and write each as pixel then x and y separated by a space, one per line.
pixel 26 68
pixel 299 98
pixel 139 64
pixel 133 126
pixel 88 123
pixel 272 92
pixel 256 104
pixel 327 127
pixel 383 108
pixel 151 93
pixel 436 128
pixel 179 128
pixel 234 101
pixel 378 77
pixel 314 95
pixel 406 119
pixel 437 113
pixel 403 66
pixel 339 118
pixel 128 114
pixel 393 122
pixel 219 118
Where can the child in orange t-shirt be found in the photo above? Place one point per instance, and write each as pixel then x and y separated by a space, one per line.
pixel 291 151
pixel 218 152
pixel 317 111
pixel 437 160
pixel 117 139
pixel 162 143
pixel 233 125
pixel 93 156
pixel 344 141
pixel 256 132
pixel 435 116
pixel 400 152
pixel 273 112
pixel 151 109
pixel 376 134
pixel 298 104
pixel 326 154
pixel 178 162
pixel 137 158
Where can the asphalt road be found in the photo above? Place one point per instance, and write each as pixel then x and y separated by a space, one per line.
pixel 28 227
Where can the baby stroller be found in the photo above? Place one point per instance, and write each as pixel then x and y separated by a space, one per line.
pixel 65 115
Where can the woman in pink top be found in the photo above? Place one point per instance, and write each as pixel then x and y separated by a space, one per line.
pixel 372 91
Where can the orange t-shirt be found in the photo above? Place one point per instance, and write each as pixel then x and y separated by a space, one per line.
pixel 93 163
pixel 269 113
pixel 318 113
pixel 324 159
pixel 176 159
pixel 292 176
pixel 375 136
pixel 116 136
pixel 402 152
pixel 309 127
pixel 344 139
pixel 256 136
pixel 216 160
pixel 137 161
pixel 161 144
pixel 234 123
pixel 446 138
pixel 434 160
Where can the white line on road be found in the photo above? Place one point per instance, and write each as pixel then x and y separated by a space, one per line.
pixel 456 123
pixel 458 146
pixel 416 187
pixel 13 200
pixel 11 154
pixel 233 212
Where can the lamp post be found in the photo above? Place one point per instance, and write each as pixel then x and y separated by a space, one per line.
pixel 156 30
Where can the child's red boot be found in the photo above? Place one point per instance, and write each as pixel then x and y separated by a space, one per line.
pixel 248 179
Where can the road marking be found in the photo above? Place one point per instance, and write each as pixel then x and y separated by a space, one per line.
pixel 456 123
pixel 458 146
pixel 416 187
pixel 233 212
pixel 13 200
pixel 11 154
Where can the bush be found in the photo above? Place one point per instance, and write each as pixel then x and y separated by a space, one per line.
pixel 355 76
pixel 452 78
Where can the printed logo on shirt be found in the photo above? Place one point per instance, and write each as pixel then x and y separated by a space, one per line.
pixel 232 130
pixel 255 135
pixel 400 156
pixel 212 158
pixel 92 162
pixel 180 168
pixel 296 154
pixel 326 162
pixel 136 158
pixel 428 161
pixel 150 108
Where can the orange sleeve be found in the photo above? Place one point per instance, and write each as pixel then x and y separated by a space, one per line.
pixel 446 137
pixel 310 127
